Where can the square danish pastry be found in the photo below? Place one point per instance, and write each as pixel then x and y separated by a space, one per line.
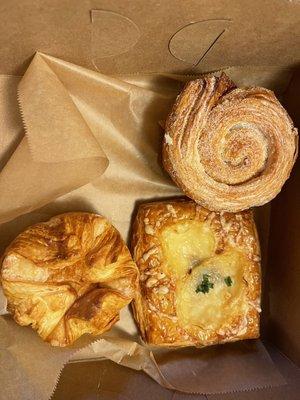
pixel 199 274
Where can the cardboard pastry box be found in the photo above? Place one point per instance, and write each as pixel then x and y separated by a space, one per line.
pixel 85 87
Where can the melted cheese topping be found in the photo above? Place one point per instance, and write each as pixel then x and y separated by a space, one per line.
pixel 189 256
pixel 186 244
pixel 221 304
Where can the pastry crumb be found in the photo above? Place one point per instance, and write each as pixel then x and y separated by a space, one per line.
pixel 168 139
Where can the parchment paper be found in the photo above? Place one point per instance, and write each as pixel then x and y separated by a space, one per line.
pixel 75 121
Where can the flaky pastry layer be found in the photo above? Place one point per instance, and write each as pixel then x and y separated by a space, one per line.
pixel 68 276
pixel 199 274
pixel 228 148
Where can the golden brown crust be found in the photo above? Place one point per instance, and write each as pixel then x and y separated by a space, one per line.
pixel 228 149
pixel 158 306
pixel 68 276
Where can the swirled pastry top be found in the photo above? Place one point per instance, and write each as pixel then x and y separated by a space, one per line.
pixel 199 275
pixel 227 148
pixel 68 276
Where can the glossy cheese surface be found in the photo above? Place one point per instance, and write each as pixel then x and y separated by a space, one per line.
pixel 185 244
pixel 222 303
pixel 199 275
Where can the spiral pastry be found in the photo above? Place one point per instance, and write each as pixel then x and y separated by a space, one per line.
pixel 228 148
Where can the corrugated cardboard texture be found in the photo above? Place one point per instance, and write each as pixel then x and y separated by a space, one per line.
pixel 125 36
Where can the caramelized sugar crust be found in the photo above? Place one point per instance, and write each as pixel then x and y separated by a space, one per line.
pixel 227 148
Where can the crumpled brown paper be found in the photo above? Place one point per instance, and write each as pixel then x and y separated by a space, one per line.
pixel 68 113
pixel 58 153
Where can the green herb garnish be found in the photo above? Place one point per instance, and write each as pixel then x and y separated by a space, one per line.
pixel 228 281
pixel 205 285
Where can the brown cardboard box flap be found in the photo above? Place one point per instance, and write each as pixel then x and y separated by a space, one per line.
pixel 123 116
pixel 117 37
pixel 284 249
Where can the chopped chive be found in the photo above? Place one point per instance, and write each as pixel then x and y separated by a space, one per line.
pixel 228 281
pixel 205 285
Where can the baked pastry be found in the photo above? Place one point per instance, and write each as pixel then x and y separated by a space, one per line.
pixel 199 275
pixel 68 276
pixel 228 149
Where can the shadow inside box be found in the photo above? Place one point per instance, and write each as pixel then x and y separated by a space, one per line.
pixel 120 333
pixel 282 285
pixel 109 381
pixel 215 368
